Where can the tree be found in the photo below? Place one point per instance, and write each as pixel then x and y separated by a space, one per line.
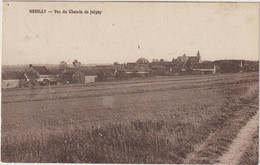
pixel 116 63
pixel 63 65
pixel 76 63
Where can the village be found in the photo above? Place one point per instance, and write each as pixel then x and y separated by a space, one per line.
pixel 39 75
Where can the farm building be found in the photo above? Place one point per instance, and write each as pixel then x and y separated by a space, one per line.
pixel 90 79
pixel 12 79
pixel 66 76
pixel 82 77
pixel 30 75
pixel 39 73
pixel 78 77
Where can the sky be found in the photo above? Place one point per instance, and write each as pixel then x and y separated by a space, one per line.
pixel 126 31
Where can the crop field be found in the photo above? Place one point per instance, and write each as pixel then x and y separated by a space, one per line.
pixel 153 120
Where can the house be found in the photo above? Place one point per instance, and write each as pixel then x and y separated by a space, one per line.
pixel 182 59
pixel 30 75
pixel 39 73
pixel 66 76
pixel 155 60
pixel 78 77
pixel 90 76
pixel 84 77
pixel 142 61
pixel 12 79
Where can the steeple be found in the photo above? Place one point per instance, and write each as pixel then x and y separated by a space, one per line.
pixel 198 54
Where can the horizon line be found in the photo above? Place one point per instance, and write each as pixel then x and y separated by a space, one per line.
pixel 113 62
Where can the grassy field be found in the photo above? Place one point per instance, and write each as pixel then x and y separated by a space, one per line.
pixel 155 120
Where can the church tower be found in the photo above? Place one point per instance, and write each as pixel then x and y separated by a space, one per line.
pixel 198 56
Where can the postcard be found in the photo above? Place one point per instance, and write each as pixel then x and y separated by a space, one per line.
pixel 130 82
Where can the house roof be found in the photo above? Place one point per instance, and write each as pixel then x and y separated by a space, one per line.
pixel 78 73
pixel 31 75
pixel 179 58
pixel 10 75
pixel 142 61
pixel 182 58
pixel 42 70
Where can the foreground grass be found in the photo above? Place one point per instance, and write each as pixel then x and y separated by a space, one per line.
pixel 110 144
pixel 250 157
pixel 140 142
pixel 243 109
pixel 169 138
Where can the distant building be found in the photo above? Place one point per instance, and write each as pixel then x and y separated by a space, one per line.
pixel 195 59
pixel 78 77
pixel 30 75
pixel 39 73
pixel 90 79
pixel 191 59
pixel 82 77
pixel 142 61
pixel 66 76
pixel 182 59
pixel 12 79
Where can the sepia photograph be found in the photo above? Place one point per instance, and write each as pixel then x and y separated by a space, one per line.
pixel 130 82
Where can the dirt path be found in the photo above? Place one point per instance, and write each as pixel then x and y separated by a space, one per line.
pixel 197 148
pixel 240 143
pixel 235 150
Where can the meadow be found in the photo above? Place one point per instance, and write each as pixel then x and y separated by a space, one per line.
pixel 154 120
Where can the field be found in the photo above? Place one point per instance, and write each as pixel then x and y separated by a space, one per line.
pixel 154 120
